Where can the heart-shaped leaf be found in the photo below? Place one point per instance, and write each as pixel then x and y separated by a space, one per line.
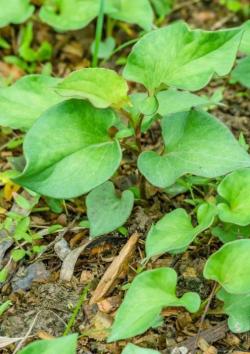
pixel 138 12
pixel 23 102
pixel 230 266
pixel 62 345
pixel 67 15
pixel 196 143
pixel 173 101
pixel 102 87
pixel 180 57
pixel 174 232
pixel 241 73
pixel 134 349
pixel 106 210
pixel 68 150
pixel 237 307
pixel 15 11
pixel 235 190
pixel 148 294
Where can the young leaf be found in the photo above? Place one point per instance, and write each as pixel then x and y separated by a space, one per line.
pixel 174 232
pixel 241 72
pixel 148 294
pixel 18 254
pixel 138 12
pixel 106 211
pixel 62 345
pixel 15 11
pixel 180 57
pixel 196 143
pixel 237 307
pixel 134 349
pixel 230 266
pixel 174 101
pixel 235 190
pixel 102 87
pixel 67 15
pixel 23 102
pixel 68 150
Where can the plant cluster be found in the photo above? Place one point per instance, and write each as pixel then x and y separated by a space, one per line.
pixel 77 129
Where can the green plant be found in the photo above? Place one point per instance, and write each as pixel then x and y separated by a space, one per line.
pixel 15 11
pixel 74 145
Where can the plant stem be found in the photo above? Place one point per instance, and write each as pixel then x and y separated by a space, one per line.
pixel 82 298
pixel 98 34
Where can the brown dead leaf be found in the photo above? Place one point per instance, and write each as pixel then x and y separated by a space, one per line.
pixel 109 304
pixel 8 70
pixel 44 335
pixel 114 270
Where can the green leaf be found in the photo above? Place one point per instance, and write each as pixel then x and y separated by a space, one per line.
pixel 106 210
pixel 106 48
pixel 102 87
pixel 241 73
pixel 62 345
pixel 163 7
pixel 235 190
pixel 134 349
pixel 17 255
pixel 15 11
pixel 196 143
pixel 23 102
pixel 174 101
pixel 67 15
pixel 174 232
pixel 237 307
pixel 68 150
pixel 245 41
pixel 180 57
pixel 148 294
pixel 136 12
pixel 230 267
pixel 230 232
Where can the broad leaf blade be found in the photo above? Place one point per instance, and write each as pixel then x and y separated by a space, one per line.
pixel 149 292
pixel 62 345
pixel 196 143
pixel 68 150
pixel 235 190
pixel 241 72
pixel 102 87
pixel 15 11
pixel 106 211
pixel 180 57
pixel 23 102
pixel 134 349
pixel 230 266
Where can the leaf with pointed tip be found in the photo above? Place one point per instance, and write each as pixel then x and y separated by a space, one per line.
pixel 230 267
pixel 23 102
pixel 68 150
pixel 102 87
pixel 62 345
pixel 196 143
pixel 237 307
pixel 174 232
pixel 241 72
pixel 173 101
pixel 180 57
pixel 148 294
pixel 235 191
pixel 68 15
pixel 15 11
pixel 134 349
pixel 106 210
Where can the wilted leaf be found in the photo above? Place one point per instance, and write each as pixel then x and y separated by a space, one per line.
pixel 23 102
pixel 180 57
pixel 68 150
pixel 106 210
pixel 235 191
pixel 230 266
pixel 196 143
pixel 102 87
pixel 15 11
pixel 174 232
pixel 148 294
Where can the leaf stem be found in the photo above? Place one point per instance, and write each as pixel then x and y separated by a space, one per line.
pixel 98 34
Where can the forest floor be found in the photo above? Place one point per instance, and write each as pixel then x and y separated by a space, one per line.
pixel 44 309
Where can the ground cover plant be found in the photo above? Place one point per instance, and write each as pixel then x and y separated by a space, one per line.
pixel 76 131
